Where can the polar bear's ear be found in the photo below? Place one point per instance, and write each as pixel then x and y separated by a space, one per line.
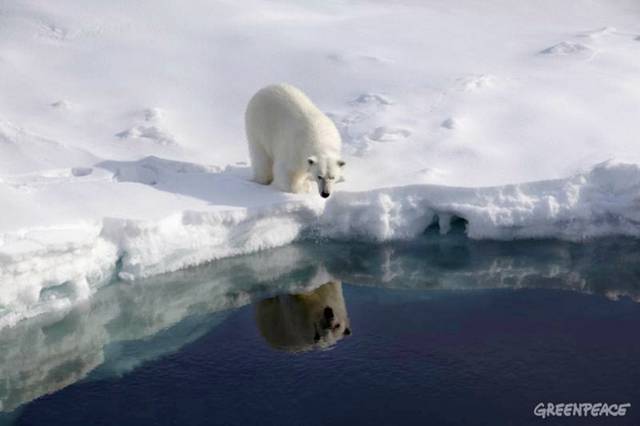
pixel 341 163
pixel 312 160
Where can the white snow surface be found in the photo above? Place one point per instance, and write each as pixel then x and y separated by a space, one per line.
pixel 122 145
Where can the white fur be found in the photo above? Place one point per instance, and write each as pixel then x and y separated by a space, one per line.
pixel 291 142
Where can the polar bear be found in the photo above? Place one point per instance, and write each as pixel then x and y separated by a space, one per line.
pixel 291 142
pixel 302 322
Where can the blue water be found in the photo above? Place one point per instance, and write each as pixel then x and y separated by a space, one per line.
pixel 443 331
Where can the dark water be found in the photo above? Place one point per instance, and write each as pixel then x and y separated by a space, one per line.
pixel 442 330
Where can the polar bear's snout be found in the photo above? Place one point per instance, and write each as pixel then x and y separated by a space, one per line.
pixel 330 321
pixel 328 313
pixel 305 321
pixel 329 317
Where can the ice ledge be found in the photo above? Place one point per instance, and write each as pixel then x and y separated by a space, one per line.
pixel 51 268
pixel 604 201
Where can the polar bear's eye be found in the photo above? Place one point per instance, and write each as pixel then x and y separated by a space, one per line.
pixel 320 177
pixel 331 178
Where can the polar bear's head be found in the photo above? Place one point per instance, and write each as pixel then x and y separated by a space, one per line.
pixel 326 171
pixel 301 322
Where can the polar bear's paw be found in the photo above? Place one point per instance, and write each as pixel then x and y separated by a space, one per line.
pixel 303 185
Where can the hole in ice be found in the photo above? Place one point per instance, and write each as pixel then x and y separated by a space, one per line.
pixel 449 224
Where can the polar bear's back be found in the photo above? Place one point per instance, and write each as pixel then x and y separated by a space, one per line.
pixel 282 99
pixel 283 114
pixel 285 96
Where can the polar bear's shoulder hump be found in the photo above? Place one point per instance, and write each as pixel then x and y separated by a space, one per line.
pixel 284 93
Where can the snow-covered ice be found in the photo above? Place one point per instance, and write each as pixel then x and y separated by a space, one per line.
pixel 122 146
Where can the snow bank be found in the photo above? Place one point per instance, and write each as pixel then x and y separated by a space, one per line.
pixel 604 201
pixel 51 268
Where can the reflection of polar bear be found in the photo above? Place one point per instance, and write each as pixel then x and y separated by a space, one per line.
pixel 291 140
pixel 301 322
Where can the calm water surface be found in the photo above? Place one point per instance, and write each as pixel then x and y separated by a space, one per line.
pixel 442 330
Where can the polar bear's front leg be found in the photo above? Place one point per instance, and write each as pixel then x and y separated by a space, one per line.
pixel 282 178
pixel 300 183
